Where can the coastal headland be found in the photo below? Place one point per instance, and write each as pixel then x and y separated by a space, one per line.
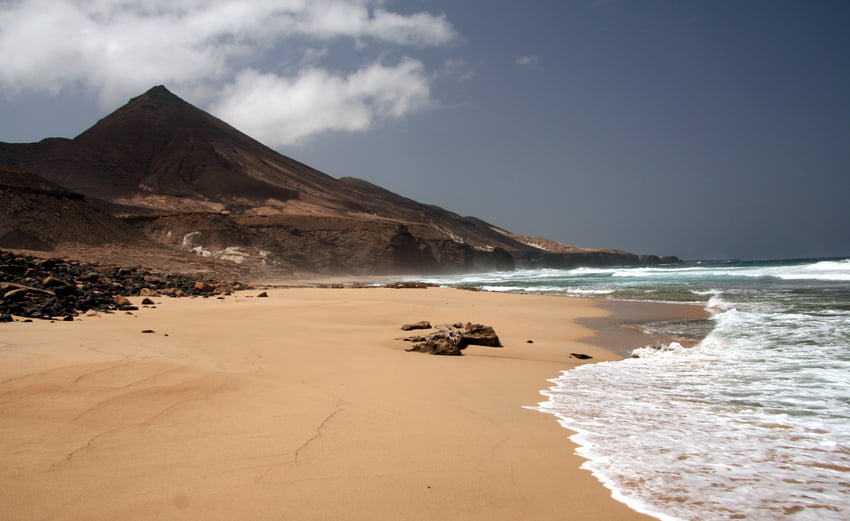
pixel 302 405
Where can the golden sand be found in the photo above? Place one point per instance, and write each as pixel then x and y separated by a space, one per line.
pixel 300 406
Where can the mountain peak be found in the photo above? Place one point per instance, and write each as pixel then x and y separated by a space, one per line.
pixel 161 154
pixel 158 106
pixel 157 96
pixel 156 90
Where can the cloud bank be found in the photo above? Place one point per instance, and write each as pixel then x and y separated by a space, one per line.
pixel 227 53
pixel 286 110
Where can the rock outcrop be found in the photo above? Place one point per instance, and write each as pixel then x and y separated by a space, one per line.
pixel 452 339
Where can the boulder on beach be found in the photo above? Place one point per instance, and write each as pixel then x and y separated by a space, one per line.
pixel 480 335
pixel 121 301
pixel 451 339
pixel 206 287
pixel 445 341
pixel 422 324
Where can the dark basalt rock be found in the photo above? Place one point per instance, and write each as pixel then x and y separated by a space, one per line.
pixel 50 288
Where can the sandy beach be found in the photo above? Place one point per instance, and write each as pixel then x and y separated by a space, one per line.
pixel 300 406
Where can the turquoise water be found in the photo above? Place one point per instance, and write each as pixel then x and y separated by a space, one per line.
pixel 751 423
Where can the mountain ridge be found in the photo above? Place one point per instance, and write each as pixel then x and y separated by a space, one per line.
pixel 189 181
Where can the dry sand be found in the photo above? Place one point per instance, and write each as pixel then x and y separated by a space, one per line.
pixel 300 406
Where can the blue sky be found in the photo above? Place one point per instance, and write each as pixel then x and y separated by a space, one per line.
pixel 713 129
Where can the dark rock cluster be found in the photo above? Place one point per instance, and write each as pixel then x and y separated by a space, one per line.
pixel 451 339
pixel 55 288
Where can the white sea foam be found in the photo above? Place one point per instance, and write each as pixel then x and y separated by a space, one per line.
pixel 823 270
pixel 752 422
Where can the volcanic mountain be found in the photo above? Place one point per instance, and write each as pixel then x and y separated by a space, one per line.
pixel 187 181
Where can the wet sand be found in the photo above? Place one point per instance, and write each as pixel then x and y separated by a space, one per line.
pixel 300 406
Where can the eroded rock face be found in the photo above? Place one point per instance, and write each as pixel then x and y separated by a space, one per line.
pixel 446 340
pixel 480 335
pixel 451 339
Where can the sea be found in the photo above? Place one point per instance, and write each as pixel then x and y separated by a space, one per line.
pixel 753 422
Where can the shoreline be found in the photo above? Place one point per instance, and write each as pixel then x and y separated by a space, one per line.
pixel 304 403
pixel 622 332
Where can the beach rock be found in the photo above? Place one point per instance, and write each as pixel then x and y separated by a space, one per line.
pixel 451 339
pixel 91 276
pixel 423 324
pixel 206 287
pixel 53 281
pixel 121 301
pixel 17 294
pixel 39 288
pixel 47 264
pixel 581 356
pixel 480 335
pixel 223 288
pixel 11 269
pixel 408 285
pixel 445 341
pixel 263 295
pixel 148 302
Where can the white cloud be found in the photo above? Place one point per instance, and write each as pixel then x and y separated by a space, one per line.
pixel 527 60
pixel 456 69
pixel 281 111
pixel 115 49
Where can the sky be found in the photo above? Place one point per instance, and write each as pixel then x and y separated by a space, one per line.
pixel 706 129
